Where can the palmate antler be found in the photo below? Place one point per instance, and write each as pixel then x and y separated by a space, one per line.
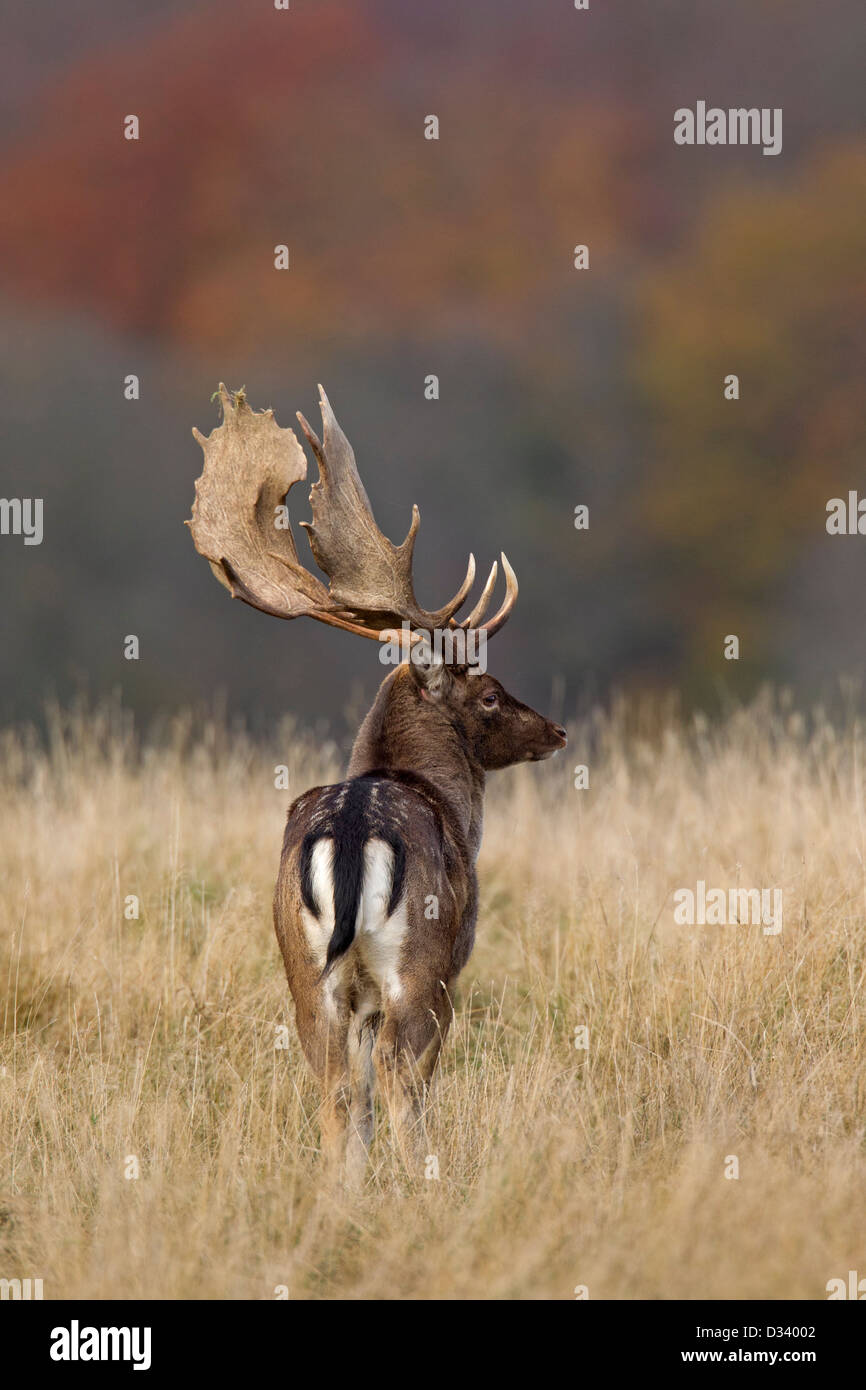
pixel 239 525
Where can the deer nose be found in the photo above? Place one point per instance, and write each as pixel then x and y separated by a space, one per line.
pixel 558 729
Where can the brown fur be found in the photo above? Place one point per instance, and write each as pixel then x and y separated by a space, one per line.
pixel 425 746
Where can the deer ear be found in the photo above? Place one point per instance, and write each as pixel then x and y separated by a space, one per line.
pixel 430 672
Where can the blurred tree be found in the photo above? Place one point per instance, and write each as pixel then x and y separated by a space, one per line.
pixel 772 289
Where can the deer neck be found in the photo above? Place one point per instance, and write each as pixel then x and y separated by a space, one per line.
pixel 406 733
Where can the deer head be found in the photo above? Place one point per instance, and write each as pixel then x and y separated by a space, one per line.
pixel 496 729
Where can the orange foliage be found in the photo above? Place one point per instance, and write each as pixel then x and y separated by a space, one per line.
pixel 302 130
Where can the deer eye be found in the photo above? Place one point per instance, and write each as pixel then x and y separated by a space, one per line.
pixel 490 699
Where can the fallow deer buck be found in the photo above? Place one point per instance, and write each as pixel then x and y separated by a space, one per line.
pixel 376 898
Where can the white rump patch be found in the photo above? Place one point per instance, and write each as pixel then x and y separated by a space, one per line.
pixel 318 930
pixel 379 938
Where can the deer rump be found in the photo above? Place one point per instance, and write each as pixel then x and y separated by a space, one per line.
pixel 350 846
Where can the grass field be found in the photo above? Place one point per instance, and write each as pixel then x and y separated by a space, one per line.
pixel 155 1039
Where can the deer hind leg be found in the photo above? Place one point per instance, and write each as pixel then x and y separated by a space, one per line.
pixel 336 1097
pixel 406 1052
pixel 323 1021
pixel 361 1078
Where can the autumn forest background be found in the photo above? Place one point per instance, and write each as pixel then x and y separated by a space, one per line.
pixel 453 257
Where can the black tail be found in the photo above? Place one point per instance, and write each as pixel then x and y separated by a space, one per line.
pixel 351 823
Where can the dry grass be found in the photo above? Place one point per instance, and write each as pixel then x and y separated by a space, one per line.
pixel 558 1167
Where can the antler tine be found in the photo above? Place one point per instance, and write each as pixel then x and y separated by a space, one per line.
pixel 499 619
pixel 312 438
pixel 447 613
pixel 481 606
